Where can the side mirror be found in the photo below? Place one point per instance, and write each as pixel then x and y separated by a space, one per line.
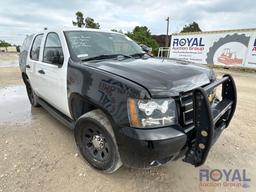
pixel 146 48
pixel 54 57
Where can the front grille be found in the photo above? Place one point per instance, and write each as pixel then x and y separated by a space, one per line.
pixel 187 111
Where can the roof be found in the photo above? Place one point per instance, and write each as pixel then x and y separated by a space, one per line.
pixel 77 29
pixel 220 31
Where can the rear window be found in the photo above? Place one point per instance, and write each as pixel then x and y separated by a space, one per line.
pixel 35 50
pixel 26 43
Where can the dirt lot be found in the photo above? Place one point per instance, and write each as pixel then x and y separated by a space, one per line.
pixel 8 59
pixel 37 153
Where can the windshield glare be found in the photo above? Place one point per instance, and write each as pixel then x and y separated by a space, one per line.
pixel 87 44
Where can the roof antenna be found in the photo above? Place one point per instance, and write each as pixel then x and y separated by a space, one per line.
pixel 45 28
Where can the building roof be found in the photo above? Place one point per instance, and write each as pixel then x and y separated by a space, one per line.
pixel 219 31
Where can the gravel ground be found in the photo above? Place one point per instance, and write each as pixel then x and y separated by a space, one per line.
pixel 9 60
pixel 37 153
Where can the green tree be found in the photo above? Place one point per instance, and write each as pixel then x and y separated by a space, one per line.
pixel 118 31
pixel 79 20
pixel 87 22
pixel 142 35
pixel 4 44
pixel 193 27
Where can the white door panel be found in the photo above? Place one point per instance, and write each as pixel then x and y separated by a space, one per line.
pixel 29 72
pixel 33 62
pixel 53 83
pixel 53 86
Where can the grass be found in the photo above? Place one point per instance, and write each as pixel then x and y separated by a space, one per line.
pixel 234 68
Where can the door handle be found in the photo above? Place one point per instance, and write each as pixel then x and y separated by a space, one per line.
pixel 28 66
pixel 41 71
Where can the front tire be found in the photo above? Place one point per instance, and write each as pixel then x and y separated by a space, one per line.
pixel 96 141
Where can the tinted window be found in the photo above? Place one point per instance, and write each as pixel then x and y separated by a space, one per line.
pixel 52 50
pixel 24 50
pixel 26 43
pixel 35 51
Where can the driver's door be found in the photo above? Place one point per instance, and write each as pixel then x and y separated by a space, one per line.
pixel 52 71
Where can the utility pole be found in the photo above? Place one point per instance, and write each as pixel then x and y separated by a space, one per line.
pixel 167 31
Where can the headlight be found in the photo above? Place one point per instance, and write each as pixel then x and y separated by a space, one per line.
pixel 152 113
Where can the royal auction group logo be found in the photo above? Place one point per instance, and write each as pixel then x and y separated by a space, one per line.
pixel 234 178
pixel 191 44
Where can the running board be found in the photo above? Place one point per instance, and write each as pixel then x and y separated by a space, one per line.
pixel 57 114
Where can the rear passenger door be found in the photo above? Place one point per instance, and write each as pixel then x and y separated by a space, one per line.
pixel 52 72
pixel 32 61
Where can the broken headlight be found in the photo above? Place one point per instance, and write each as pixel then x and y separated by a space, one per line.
pixel 152 112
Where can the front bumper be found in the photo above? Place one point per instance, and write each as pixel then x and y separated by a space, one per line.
pixel 142 148
pixel 151 147
pixel 210 122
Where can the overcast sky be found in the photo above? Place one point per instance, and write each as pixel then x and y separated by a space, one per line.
pixel 21 17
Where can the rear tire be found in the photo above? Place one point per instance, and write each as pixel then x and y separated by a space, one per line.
pixel 96 141
pixel 33 98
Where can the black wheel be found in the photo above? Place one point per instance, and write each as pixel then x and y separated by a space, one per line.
pixel 31 94
pixel 96 142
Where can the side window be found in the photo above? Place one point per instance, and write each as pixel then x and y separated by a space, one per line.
pixel 35 50
pixel 26 43
pixel 53 53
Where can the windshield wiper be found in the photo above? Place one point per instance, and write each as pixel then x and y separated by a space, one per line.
pixel 106 56
pixel 140 55
pixel 137 54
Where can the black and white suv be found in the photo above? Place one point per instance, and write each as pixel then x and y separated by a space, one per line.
pixel 125 106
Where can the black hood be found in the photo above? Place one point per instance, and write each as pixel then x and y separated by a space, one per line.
pixel 159 77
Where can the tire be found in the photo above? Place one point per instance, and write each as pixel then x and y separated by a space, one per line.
pixel 96 141
pixel 33 98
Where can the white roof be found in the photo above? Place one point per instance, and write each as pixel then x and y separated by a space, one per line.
pixel 61 29
pixel 220 31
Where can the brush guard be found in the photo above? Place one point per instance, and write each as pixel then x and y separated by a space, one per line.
pixel 210 122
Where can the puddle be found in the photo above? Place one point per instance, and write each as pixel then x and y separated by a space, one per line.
pixel 13 63
pixel 14 105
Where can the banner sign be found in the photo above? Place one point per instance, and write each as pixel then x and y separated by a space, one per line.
pixel 251 57
pixel 220 48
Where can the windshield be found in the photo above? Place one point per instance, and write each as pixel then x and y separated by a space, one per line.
pixel 89 44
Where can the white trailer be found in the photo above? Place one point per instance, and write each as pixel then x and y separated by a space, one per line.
pixel 227 48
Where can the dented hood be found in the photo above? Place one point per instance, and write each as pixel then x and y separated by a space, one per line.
pixel 160 77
